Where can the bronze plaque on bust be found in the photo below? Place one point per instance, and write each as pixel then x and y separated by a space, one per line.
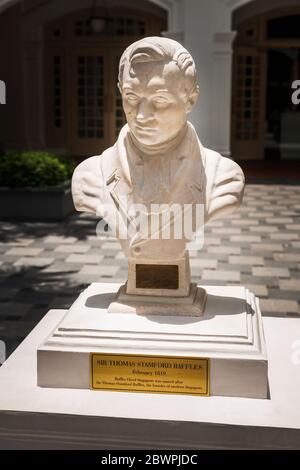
pixel 157 276
pixel 149 374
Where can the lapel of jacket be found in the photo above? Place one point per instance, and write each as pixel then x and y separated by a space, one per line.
pixel 119 183
pixel 188 171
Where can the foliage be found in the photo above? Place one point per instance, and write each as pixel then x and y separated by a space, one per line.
pixel 24 169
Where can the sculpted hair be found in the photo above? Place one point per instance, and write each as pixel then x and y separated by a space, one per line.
pixel 157 49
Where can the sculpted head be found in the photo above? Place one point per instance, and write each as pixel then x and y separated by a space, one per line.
pixel 157 80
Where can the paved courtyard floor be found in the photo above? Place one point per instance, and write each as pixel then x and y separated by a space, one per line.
pixel 46 265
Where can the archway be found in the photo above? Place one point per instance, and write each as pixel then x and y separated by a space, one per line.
pixel 265 122
pixel 41 109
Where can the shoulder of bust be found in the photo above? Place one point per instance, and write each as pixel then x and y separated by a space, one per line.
pixel 217 165
pixel 87 166
pixel 109 161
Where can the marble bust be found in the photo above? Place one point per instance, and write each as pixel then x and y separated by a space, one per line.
pixel 158 161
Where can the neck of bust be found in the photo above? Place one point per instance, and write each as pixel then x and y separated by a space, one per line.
pixel 162 148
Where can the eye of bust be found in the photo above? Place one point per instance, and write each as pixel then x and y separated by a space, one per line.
pixel 161 100
pixel 131 97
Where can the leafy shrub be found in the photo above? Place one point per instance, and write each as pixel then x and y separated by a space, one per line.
pixel 23 169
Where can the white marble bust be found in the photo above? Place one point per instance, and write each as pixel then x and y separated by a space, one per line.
pixel 158 158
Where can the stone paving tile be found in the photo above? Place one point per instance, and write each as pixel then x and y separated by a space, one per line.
pixel 203 263
pixel 284 236
pixel 267 247
pixel 30 296
pixel 44 265
pixel 8 309
pixel 226 231
pixel 16 328
pixel 58 256
pixel 279 220
pixel 111 246
pixel 245 223
pixel 214 223
pixel 289 213
pixel 24 251
pixel 287 257
pixel 211 241
pixel 259 290
pixel 220 275
pixel 279 306
pixel 35 262
pixel 84 259
pixel 55 239
pixel 276 208
pixel 22 242
pixel 224 250
pixel 62 301
pixel 74 248
pixel 59 267
pixel 277 293
pixel 8 293
pixel 245 239
pixel 264 229
pixel 290 285
pixel 248 260
pixel 101 270
pixel 270 272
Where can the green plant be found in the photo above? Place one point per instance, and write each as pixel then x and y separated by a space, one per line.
pixel 23 169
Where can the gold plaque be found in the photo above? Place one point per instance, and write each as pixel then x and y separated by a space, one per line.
pixel 150 374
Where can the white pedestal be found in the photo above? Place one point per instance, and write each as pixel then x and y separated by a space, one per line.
pixel 229 333
pixel 32 417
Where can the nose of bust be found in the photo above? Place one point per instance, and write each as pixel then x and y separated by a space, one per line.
pixel 144 112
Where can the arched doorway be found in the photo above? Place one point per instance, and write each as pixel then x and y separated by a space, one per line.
pixel 84 108
pixel 265 122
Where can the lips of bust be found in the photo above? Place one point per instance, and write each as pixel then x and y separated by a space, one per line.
pixel 147 135
pixel 144 129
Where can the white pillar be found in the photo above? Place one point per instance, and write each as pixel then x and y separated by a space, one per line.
pixel 176 11
pixel 221 92
pixel 203 27
pixel 176 35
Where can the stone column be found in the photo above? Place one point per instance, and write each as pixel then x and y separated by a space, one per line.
pixel 221 92
pixel 176 16
pixel 176 35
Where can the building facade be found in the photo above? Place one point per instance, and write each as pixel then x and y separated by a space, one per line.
pixel 59 60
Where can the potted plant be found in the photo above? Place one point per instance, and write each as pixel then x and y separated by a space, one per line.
pixel 35 186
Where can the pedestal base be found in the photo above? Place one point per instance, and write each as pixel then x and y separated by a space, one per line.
pixel 229 334
pixel 32 417
pixel 191 306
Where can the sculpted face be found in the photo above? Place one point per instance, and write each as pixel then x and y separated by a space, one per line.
pixel 155 101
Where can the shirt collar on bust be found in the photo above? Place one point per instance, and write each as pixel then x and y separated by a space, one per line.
pixel 164 148
pixel 125 143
